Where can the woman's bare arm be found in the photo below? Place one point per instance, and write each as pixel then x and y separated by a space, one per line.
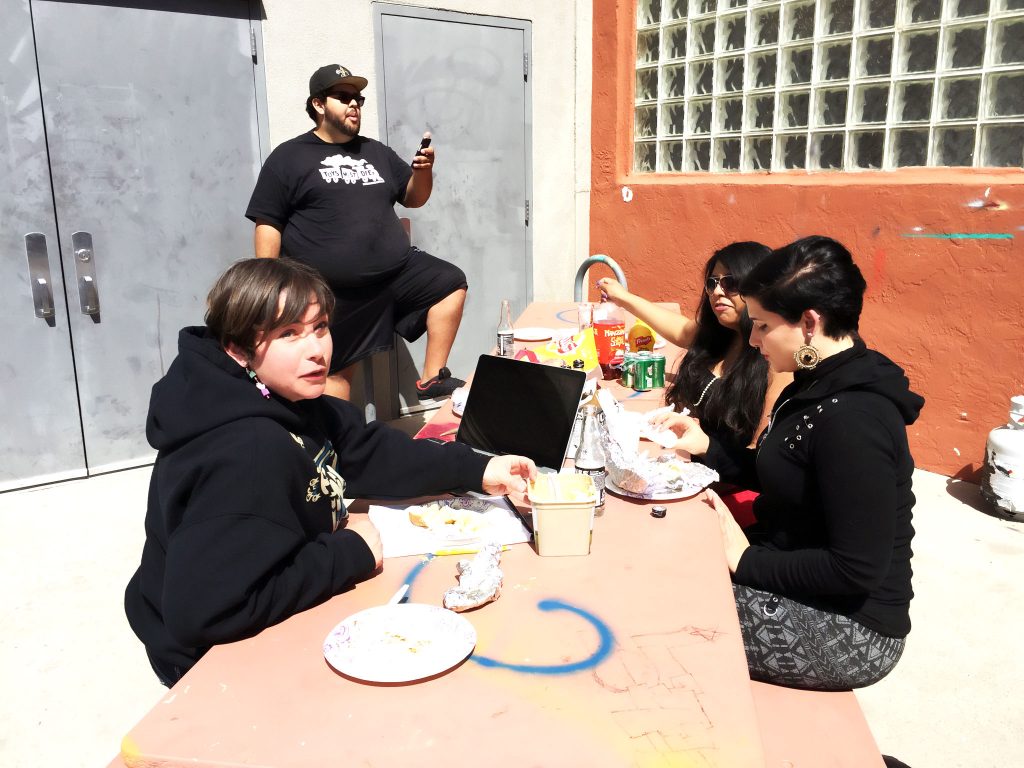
pixel 674 327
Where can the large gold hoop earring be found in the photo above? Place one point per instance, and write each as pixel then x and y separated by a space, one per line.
pixel 807 357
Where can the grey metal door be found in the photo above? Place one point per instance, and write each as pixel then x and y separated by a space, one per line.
pixel 41 434
pixel 464 78
pixel 151 124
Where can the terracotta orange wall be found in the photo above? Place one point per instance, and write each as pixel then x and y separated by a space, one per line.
pixel 950 311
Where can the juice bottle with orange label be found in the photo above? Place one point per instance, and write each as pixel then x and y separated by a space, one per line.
pixel 641 337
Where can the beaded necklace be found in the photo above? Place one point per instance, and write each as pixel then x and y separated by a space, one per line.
pixel 705 391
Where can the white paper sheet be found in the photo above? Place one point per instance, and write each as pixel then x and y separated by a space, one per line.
pixel 497 523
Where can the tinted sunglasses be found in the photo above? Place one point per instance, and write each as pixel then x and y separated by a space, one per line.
pixel 730 284
pixel 348 98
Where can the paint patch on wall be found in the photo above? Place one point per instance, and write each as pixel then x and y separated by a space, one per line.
pixel 985 202
pixel 878 263
pixel 995 205
pixel 962 235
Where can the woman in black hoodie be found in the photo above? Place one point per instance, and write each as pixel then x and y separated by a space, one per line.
pixel 246 523
pixel 822 582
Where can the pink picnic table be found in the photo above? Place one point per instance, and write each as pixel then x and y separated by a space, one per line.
pixel 629 656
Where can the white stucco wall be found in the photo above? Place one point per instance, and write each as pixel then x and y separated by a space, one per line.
pixel 301 35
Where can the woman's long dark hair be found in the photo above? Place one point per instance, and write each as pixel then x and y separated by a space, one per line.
pixel 733 405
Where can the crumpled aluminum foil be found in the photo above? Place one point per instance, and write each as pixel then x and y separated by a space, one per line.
pixel 479 580
pixel 633 471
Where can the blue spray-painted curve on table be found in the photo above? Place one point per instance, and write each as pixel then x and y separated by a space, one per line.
pixel 602 652
pixel 604 633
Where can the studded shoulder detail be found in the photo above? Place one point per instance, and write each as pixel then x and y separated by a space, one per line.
pixel 806 425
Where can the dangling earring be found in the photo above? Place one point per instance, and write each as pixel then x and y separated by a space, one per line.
pixel 807 357
pixel 259 384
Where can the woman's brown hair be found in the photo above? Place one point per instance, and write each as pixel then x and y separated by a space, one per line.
pixel 243 303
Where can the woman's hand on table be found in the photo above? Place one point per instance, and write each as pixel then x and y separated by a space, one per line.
pixel 734 540
pixel 692 438
pixel 508 474
pixel 368 531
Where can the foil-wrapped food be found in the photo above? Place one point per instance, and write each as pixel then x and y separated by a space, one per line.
pixel 637 473
pixel 661 476
pixel 479 580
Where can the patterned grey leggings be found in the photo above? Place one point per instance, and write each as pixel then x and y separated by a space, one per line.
pixel 788 643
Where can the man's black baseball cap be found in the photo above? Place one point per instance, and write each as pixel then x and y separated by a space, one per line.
pixel 327 77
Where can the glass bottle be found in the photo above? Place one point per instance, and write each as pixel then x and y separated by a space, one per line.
pixel 590 457
pixel 506 344
pixel 584 315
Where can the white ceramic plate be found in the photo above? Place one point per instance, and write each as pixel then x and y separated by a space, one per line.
pixel 684 493
pixel 399 643
pixel 532 334
pixel 659 343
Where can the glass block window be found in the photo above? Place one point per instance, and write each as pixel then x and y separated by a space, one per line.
pixel 759 85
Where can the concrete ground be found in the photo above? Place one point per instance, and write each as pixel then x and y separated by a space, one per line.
pixel 75 678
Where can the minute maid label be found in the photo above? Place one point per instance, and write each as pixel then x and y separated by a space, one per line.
pixel 344 168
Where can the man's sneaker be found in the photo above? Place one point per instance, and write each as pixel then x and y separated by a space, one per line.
pixel 441 385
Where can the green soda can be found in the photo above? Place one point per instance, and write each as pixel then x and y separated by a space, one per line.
pixel 643 372
pixel 628 369
pixel 658 374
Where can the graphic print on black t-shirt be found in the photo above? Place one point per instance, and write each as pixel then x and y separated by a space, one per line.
pixel 334 206
pixel 348 170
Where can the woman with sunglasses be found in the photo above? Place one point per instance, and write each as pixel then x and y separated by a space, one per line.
pixel 724 383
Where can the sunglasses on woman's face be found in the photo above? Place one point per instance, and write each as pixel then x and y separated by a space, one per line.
pixel 730 284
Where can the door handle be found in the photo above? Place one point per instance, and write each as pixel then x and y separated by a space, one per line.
pixel 88 297
pixel 42 296
pixel 85 267
pixel 39 274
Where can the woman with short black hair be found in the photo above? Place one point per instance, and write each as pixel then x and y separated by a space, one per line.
pixel 823 581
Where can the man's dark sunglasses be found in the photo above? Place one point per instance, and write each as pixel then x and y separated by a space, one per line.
pixel 347 97
pixel 729 283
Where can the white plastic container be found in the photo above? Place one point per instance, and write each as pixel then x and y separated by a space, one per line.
pixel 563 513
pixel 1002 481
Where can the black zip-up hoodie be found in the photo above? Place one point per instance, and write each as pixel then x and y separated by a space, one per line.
pixel 834 470
pixel 240 524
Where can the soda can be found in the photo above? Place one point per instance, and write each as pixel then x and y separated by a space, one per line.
pixel 658 372
pixel 643 372
pixel 628 369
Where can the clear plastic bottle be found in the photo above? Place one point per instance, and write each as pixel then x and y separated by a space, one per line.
pixel 610 338
pixel 506 342
pixel 590 457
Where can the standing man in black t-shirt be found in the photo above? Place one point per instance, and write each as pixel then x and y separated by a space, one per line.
pixel 327 198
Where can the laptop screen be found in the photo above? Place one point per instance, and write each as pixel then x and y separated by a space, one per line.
pixel 523 408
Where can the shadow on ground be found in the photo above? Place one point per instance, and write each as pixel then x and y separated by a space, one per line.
pixel 970 494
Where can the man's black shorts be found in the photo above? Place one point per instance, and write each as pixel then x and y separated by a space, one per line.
pixel 365 319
